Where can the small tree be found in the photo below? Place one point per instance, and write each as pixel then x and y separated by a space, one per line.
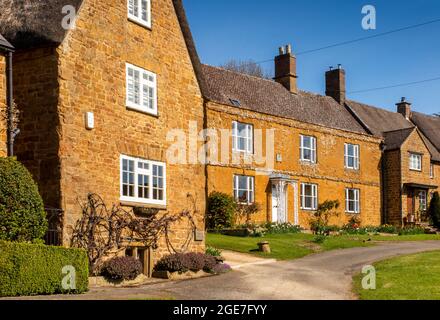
pixel 248 67
pixel 321 218
pixel 22 214
pixel 221 210
pixel 434 210
pixel 245 212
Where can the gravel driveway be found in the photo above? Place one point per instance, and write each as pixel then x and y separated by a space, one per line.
pixel 321 276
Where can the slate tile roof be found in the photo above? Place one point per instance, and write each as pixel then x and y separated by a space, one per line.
pixel 270 97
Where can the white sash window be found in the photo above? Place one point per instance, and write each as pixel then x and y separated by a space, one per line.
pixel 141 89
pixel 143 181
pixel 139 11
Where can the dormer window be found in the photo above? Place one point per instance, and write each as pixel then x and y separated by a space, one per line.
pixel 235 102
pixel 139 11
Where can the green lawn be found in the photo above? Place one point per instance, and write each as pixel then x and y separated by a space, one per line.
pixel 293 246
pixel 414 277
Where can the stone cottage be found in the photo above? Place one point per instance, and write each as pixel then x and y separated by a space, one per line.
pixel 320 150
pixel 410 161
pixel 100 84
pixel 5 54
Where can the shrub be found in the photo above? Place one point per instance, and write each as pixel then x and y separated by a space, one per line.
pixel 434 210
pixel 122 268
pixel 210 263
pixel 244 211
pixel 22 215
pixel 279 228
pixel 386 228
pixel 173 263
pixel 183 262
pixel 220 211
pixel 213 252
pixel 196 261
pixel 321 218
pixel 30 269
pixel 319 238
pixel 410 231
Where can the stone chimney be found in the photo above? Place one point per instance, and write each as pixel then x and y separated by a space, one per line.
pixel 335 84
pixel 404 108
pixel 285 69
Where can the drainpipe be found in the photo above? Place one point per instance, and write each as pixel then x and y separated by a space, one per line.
pixel 10 104
pixel 383 185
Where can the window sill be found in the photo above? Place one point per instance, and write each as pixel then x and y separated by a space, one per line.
pixel 136 109
pixel 352 169
pixel 140 23
pixel 134 204
pixel 352 213
pixel 308 210
pixel 244 153
pixel 307 163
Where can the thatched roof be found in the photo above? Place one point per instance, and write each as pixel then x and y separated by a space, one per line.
pixel 30 23
pixel 33 23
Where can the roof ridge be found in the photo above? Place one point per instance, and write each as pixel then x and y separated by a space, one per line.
pixel 402 129
pixel 239 73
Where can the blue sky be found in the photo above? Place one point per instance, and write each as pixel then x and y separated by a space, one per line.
pixel 254 29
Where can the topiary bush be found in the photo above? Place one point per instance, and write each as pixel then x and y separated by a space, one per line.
pixel 22 215
pixel 220 211
pixel 31 269
pixel 434 209
pixel 122 268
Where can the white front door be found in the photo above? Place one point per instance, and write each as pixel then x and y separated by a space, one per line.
pixel 279 203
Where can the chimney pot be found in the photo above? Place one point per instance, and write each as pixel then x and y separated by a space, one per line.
pixel 404 108
pixel 335 84
pixel 285 69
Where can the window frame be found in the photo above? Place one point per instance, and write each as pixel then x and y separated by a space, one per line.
pixel 355 156
pixel 138 19
pixel 250 185
pixel 314 196
pixel 432 171
pixel 312 149
pixel 425 200
pixel 356 201
pixel 142 82
pixel 138 171
pixel 249 138
pixel 411 162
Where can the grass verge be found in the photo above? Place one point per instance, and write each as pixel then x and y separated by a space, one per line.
pixel 294 246
pixel 413 277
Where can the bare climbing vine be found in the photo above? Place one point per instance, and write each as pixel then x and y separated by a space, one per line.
pixel 102 231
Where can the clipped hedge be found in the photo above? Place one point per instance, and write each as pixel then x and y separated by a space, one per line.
pixel 30 269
